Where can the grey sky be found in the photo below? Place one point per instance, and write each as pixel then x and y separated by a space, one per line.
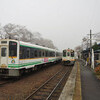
pixel 65 22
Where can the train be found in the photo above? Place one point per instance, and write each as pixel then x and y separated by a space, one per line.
pixel 18 57
pixel 68 57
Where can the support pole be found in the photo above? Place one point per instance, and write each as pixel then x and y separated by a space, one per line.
pixel 90 48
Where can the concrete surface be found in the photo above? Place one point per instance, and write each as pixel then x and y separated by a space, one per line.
pixel 68 91
pixel 89 83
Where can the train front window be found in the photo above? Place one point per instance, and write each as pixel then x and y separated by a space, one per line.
pixel 68 54
pixel 64 53
pixel 3 52
pixel 12 48
pixel 72 54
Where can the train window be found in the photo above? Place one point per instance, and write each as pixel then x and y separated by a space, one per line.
pixel 68 54
pixel 22 52
pixel 72 54
pixel 57 54
pixel 3 52
pixel 46 53
pixel 28 53
pixel 53 54
pixel 43 53
pixel 39 53
pixel 64 53
pixel 12 48
pixel 50 54
pixel 3 42
pixel 35 53
pixel 32 53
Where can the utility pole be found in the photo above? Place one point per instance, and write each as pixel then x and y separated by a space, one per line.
pixel 91 51
pixel 90 47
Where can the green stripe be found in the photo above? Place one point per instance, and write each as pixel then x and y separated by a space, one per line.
pixel 27 64
pixel 24 64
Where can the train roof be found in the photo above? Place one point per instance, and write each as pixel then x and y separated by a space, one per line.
pixel 27 44
pixel 36 46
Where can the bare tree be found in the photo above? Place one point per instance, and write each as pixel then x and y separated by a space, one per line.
pixel 2 34
pixel 22 33
pixel 17 32
pixel 78 50
pixel 37 35
pixel 97 37
pixel 0 31
pixel 9 30
pixel 48 43
pixel 85 43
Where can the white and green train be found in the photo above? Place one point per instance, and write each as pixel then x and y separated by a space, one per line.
pixel 16 57
pixel 68 57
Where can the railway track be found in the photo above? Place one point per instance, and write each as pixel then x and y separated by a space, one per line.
pixel 4 82
pixel 52 88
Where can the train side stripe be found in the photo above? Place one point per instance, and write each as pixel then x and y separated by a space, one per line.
pixel 27 64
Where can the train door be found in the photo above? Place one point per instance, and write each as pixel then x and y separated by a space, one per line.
pixel 3 56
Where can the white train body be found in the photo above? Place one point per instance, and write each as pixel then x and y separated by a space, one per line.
pixel 68 57
pixel 17 56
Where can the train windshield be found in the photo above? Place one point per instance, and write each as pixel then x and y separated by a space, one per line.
pixel 68 54
pixel 72 54
pixel 64 53
pixel 12 48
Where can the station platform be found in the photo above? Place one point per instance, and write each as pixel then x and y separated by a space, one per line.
pixel 82 84
pixel 89 83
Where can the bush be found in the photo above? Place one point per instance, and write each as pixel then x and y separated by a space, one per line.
pixel 97 70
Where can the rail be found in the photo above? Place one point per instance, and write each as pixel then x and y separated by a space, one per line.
pixel 47 89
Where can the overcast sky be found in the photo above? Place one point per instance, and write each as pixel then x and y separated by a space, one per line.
pixel 65 22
